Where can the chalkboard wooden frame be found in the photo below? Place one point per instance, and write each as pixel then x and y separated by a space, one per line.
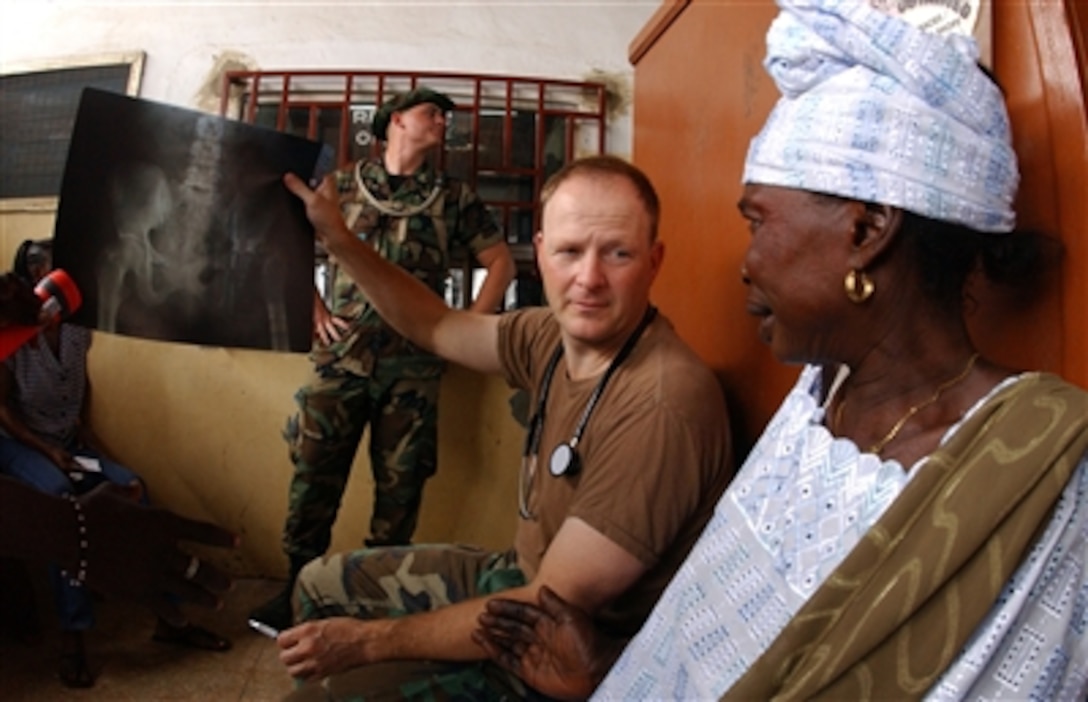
pixel 38 103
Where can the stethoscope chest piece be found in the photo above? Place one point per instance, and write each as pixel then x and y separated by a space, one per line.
pixel 564 461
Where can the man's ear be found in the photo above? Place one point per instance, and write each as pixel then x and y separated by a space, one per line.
pixel 657 256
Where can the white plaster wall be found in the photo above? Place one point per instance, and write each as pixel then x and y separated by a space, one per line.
pixel 187 42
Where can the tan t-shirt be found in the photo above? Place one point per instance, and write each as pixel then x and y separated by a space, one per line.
pixel 655 455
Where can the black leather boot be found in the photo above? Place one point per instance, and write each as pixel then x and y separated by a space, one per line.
pixel 277 612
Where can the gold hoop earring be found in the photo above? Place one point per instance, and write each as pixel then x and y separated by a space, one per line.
pixel 859 286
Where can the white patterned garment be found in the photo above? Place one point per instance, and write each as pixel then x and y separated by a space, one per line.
pixel 875 109
pixel 797 507
pixel 1033 645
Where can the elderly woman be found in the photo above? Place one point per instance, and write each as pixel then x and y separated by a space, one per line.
pixel 913 521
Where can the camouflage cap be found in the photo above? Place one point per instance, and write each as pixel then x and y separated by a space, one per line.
pixel 404 101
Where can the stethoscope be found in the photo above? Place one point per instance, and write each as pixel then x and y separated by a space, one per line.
pixel 564 459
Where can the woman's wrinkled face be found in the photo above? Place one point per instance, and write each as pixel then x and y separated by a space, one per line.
pixel 794 268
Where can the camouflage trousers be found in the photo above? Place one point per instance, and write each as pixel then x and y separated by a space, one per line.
pixel 393 582
pixel 334 409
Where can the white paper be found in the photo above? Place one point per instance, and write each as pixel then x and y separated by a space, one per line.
pixel 90 465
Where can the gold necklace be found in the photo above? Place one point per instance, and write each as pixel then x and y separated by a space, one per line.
pixel 915 409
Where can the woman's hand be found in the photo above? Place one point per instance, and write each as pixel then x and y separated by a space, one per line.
pixel 554 647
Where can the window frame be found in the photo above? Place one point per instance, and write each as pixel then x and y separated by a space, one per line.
pixel 568 119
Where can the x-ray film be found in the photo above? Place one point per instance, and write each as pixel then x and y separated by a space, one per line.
pixel 175 225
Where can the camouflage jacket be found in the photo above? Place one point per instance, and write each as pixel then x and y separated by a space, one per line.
pixel 440 215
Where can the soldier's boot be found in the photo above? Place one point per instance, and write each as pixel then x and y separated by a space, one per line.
pixel 277 612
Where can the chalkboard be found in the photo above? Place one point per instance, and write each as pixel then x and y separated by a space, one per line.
pixel 37 113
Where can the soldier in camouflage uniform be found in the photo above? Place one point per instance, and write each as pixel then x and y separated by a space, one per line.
pixel 365 373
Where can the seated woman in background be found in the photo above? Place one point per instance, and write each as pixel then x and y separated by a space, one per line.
pixel 46 442
pixel 913 522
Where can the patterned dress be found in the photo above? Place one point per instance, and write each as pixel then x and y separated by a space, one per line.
pixel 800 503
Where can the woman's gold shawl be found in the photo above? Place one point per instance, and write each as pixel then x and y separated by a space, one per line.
pixel 899 609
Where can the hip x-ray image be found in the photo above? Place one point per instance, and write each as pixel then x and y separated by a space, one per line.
pixel 176 226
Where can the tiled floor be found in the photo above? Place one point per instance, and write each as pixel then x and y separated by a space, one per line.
pixel 133 668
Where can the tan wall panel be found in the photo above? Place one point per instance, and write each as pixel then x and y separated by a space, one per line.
pixel 203 427
pixel 17 225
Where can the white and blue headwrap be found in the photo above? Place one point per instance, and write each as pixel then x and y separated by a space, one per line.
pixel 875 109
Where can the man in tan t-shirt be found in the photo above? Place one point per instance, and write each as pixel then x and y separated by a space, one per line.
pixel 627 452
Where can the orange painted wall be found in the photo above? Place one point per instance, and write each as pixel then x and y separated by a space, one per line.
pixel 1039 57
pixel 701 94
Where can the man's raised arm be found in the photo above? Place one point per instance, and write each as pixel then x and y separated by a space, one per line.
pixel 467 338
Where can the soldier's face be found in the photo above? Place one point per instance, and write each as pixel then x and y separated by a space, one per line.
pixel 422 124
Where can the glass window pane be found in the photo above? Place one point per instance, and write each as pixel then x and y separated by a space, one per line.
pixel 555 144
pixel 491 155
pixel 328 128
pixel 499 187
pixel 523 138
pixel 460 146
pixel 298 121
pixel 519 226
